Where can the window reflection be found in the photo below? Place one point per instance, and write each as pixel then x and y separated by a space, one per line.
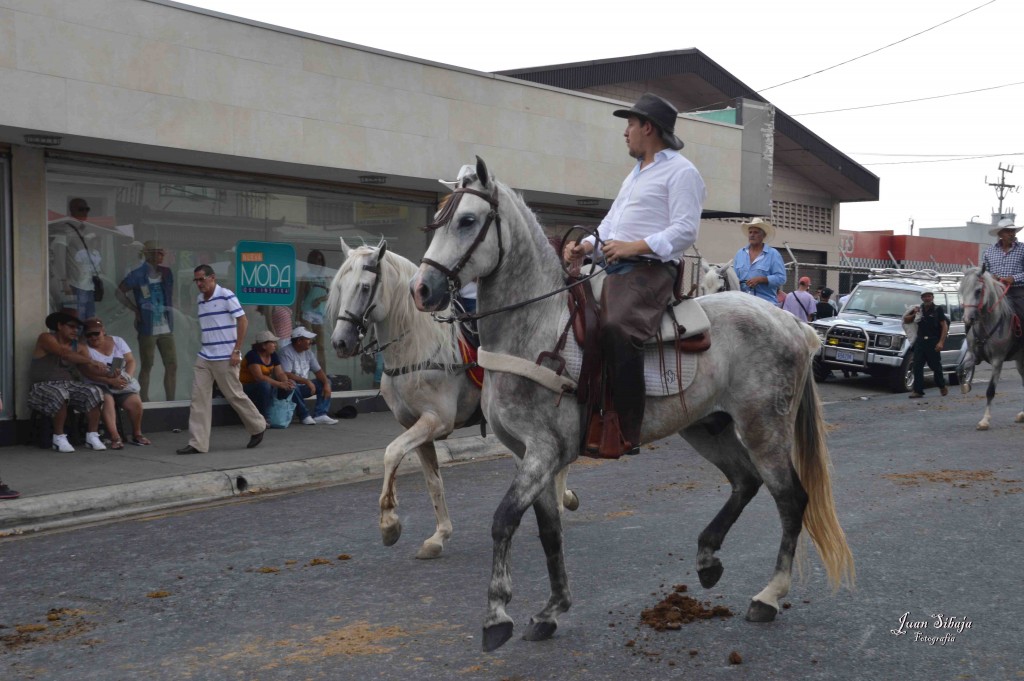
pixel 146 231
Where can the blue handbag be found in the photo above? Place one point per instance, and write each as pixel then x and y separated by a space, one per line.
pixel 281 412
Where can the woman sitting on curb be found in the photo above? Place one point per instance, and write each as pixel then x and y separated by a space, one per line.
pixel 53 385
pixel 106 349
pixel 261 373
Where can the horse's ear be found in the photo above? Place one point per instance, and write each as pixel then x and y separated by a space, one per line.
pixel 984 266
pixel 481 172
pixel 345 250
pixel 382 250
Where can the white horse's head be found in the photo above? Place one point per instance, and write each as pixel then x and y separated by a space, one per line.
pixel 981 293
pixel 717 278
pixel 354 301
pixel 467 243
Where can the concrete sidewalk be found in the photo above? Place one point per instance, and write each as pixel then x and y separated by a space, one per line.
pixel 60 490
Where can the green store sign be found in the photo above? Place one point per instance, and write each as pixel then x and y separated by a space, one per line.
pixel 266 273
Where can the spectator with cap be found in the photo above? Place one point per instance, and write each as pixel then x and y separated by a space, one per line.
pixel 298 360
pixel 55 388
pixel 800 303
pixel 932 328
pixel 148 291
pixel 262 376
pixel 758 266
pixel 825 307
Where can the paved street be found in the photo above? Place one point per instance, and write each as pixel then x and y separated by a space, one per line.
pixel 298 586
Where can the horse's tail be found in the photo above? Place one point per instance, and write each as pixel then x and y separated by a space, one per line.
pixel 810 457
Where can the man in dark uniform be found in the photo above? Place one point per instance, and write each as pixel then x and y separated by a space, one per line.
pixel 932 327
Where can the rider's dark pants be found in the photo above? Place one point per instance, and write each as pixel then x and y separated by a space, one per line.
pixel 925 353
pixel 632 304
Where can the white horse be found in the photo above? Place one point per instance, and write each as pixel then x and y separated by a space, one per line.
pixel 994 334
pixel 758 426
pixel 425 383
pixel 718 278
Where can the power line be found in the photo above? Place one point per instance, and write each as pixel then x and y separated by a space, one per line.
pixel 942 160
pixel 866 54
pixel 909 101
pixel 755 92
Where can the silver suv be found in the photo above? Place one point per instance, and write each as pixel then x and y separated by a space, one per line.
pixel 867 335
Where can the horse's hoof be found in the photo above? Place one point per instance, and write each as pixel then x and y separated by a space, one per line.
pixel 495 636
pixel 428 551
pixel 539 631
pixel 710 575
pixel 965 388
pixel 761 612
pixel 982 426
pixel 389 535
pixel 1020 418
pixel 570 501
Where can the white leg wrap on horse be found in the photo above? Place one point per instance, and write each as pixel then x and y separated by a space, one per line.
pixel 776 589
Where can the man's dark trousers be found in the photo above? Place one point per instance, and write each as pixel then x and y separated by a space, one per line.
pixel 925 352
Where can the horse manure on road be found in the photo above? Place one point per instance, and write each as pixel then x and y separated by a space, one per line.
pixel 675 610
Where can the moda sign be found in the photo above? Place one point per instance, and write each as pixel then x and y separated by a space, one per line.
pixel 266 273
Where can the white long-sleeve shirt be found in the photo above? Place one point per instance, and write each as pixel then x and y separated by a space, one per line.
pixel 660 204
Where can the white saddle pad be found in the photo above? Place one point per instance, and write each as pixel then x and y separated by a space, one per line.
pixel 687 314
pixel 657 382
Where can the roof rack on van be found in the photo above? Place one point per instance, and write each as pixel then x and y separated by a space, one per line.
pixel 928 275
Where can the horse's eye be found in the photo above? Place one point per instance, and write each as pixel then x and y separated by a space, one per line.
pixel 467 221
pixel 365 288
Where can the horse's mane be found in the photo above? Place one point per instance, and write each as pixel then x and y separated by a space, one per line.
pixel 422 338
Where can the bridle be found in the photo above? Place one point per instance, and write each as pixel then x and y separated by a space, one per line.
pixel 452 275
pixel 361 322
pixel 446 215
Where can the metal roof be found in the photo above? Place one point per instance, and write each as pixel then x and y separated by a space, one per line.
pixel 693 81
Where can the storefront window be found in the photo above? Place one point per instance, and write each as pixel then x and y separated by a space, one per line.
pixel 6 259
pixel 142 233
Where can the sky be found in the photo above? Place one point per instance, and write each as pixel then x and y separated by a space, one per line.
pixel 920 150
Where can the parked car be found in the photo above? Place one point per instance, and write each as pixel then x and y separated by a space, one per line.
pixel 867 336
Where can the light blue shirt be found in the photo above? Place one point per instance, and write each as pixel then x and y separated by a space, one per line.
pixel 768 264
pixel 660 204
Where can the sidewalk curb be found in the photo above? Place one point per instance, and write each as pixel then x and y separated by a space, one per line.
pixel 67 509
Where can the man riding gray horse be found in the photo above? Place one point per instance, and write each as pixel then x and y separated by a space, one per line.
pixel 1005 260
pixel 654 219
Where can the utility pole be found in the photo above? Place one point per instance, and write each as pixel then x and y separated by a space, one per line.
pixel 1002 188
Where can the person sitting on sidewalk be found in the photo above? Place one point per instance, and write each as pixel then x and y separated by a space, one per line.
pixel 261 374
pixel 54 387
pixel 298 360
pixel 119 387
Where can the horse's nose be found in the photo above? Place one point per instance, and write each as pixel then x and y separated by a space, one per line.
pixel 340 347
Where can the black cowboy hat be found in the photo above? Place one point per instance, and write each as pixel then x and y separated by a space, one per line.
pixel 658 111
pixel 55 318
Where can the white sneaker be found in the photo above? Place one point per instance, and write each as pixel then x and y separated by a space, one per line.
pixel 325 419
pixel 93 441
pixel 308 421
pixel 61 444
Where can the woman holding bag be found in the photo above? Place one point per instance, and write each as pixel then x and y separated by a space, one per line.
pixel 262 376
pixel 120 388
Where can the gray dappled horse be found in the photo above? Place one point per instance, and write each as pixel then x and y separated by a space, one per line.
pixel 993 334
pixel 758 424
pixel 424 382
pixel 718 278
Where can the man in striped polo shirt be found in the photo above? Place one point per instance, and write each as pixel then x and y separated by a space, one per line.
pixel 223 325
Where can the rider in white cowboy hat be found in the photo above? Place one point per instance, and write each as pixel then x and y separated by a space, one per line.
pixel 1005 260
pixel 759 266
pixel 653 221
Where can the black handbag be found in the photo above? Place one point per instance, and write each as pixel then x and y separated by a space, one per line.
pixel 97 283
